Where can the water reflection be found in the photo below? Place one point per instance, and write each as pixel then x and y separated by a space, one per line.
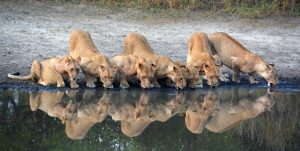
pixel 230 113
pixel 136 110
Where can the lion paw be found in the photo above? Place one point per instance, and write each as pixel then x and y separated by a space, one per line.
pixel 156 85
pixel 253 81
pixel 90 85
pixel 59 85
pixel 124 85
pixel 236 80
pixel 224 79
pixel 74 86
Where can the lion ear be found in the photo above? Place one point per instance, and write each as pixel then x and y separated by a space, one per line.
pixel 142 60
pixel 78 59
pixel 217 60
pixel 140 66
pixel 67 60
pixel 154 64
pixel 101 68
pixel 175 69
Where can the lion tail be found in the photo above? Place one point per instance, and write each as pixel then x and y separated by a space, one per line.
pixel 17 77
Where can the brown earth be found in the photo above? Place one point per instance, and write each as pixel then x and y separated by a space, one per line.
pixel 31 31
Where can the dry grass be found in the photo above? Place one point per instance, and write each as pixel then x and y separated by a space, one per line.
pixel 248 8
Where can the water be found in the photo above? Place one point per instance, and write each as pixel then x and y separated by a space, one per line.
pixel 226 118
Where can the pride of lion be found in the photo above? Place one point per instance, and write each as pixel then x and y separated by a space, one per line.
pixel 138 62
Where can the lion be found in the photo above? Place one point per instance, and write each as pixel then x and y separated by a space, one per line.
pixel 137 45
pixel 192 77
pixel 93 63
pixel 131 67
pixel 228 115
pixel 238 58
pixel 51 103
pixel 198 112
pixel 163 111
pixel 200 59
pixel 91 110
pixel 53 71
pixel 134 116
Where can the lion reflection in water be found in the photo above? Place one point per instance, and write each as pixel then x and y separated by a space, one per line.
pixel 137 110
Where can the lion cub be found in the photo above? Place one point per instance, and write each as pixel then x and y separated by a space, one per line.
pixel 238 58
pixel 137 45
pixel 53 71
pixel 93 63
pixel 192 77
pixel 132 66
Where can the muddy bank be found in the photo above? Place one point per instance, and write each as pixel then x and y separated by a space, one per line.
pixel 31 31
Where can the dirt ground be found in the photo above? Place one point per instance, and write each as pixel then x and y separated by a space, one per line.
pixel 31 31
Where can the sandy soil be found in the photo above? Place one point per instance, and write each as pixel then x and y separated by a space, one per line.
pixel 31 31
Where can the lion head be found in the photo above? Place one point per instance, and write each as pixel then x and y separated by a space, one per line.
pixel 145 72
pixel 71 66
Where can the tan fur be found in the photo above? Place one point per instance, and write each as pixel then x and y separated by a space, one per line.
pixel 91 110
pixel 198 112
pixel 53 71
pixel 51 104
pixel 235 56
pixel 164 111
pixel 228 115
pixel 134 117
pixel 137 45
pixel 200 59
pixel 131 67
pixel 93 63
pixel 192 77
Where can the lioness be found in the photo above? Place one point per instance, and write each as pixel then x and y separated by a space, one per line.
pixel 198 112
pixel 90 111
pixel 51 103
pixel 200 59
pixel 137 45
pixel 52 71
pixel 93 63
pixel 134 117
pixel 132 66
pixel 238 58
pixel 228 116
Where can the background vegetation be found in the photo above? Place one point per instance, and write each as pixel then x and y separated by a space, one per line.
pixel 248 8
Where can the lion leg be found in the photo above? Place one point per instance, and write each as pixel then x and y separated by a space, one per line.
pixel 34 101
pixel 123 81
pixel 251 78
pixel 223 76
pixel 73 84
pixel 59 96
pixel 154 83
pixel 89 80
pixel 236 70
pixel 60 80
pixel 36 71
